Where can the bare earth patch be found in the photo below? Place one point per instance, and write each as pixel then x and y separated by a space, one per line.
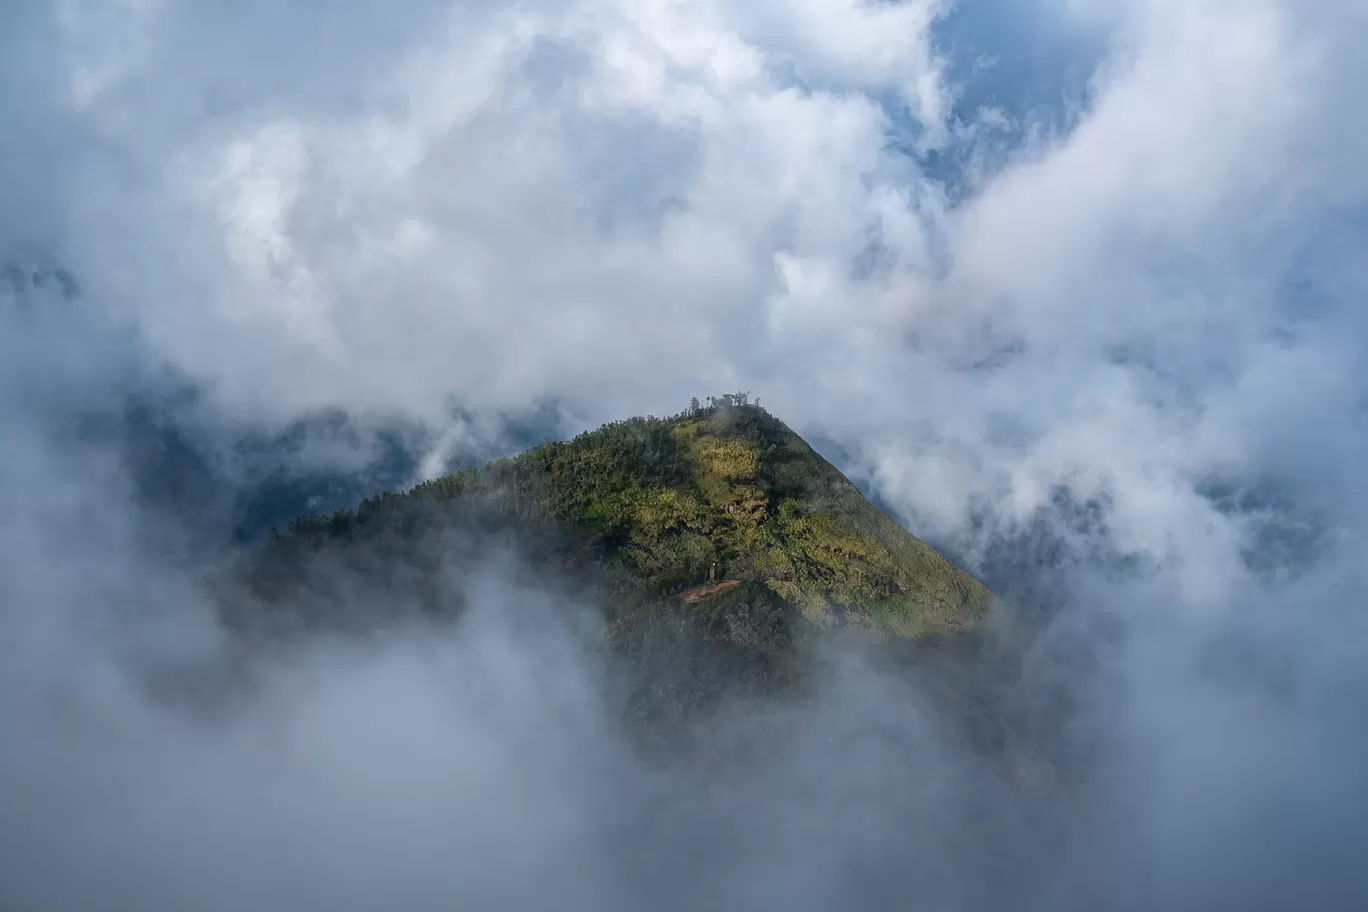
pixel 693 596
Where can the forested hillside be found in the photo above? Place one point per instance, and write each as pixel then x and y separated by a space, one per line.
pixel 716 537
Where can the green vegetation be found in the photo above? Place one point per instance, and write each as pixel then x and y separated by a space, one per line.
pixel 723 491
pixel 713 535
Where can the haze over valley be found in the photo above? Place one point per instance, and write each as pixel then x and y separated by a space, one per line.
pixel 794 454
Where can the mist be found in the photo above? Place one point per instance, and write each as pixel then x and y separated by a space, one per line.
pixel 1071 289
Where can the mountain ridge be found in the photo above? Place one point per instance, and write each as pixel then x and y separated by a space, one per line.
pixel 716 544
pixel 723 491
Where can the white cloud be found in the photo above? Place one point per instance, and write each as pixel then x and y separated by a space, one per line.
pixel 625 204
pixel 613 185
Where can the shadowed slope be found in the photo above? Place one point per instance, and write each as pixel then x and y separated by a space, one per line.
pixel 668 506
pixel 716 542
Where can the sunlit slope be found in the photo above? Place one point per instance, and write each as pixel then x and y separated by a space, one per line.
pixel 668 509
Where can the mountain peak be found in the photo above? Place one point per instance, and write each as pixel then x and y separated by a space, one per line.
pixel 686 509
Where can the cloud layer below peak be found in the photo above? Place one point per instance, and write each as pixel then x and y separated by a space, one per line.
pixel 1074 288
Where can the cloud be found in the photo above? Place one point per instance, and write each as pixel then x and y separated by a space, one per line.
pixel 619 186
pixel 1079 300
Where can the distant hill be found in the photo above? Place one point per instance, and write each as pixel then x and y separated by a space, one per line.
pixel 714 538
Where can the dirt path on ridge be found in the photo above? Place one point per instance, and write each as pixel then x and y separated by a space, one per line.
pixel 693 596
